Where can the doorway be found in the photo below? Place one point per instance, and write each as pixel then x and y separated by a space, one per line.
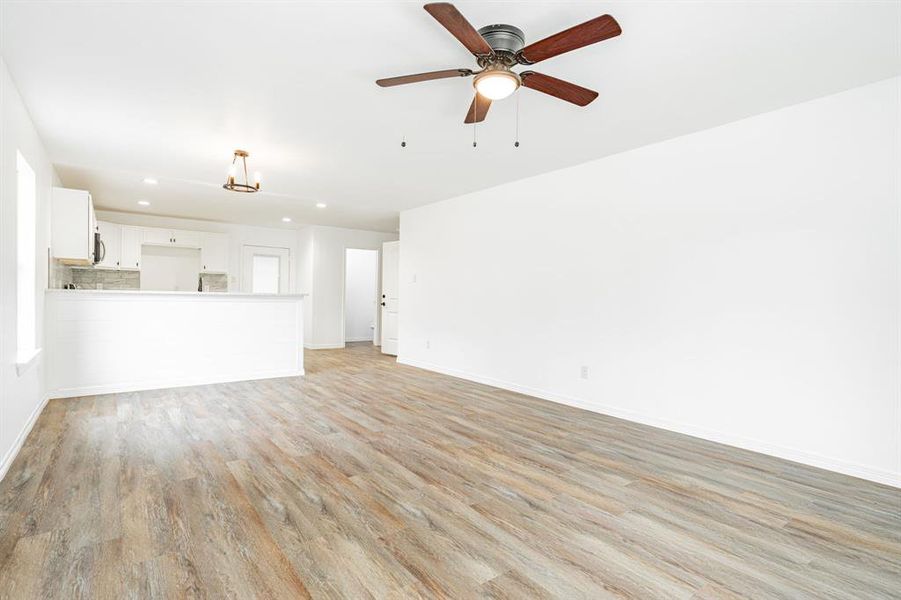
pixel 265 270
pixel 361 288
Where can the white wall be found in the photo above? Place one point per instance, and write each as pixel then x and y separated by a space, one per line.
pixel 740 284
pixel 361 278
pixel 305 277
pixel 239 236
pixel 170 269
pixel 327 291
pixel 21 396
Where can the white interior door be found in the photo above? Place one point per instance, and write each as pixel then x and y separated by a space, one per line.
pixel 390 281
pixel 265 270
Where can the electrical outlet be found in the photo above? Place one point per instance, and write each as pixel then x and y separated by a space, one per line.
pixel 584 372
pixel 428 344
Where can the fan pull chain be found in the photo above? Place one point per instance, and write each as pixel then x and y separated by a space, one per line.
pixel 475 117
pixel 516 140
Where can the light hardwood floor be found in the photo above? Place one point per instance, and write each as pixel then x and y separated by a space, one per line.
pixel 366 479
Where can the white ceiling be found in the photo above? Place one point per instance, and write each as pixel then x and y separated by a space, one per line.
pixel 121 91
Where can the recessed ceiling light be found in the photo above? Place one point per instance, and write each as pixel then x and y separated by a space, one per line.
pixel 286 219
pixel 320 205
pixel 150 181
pixel 143 202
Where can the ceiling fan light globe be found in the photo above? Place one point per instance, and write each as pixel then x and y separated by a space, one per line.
pixel 496 84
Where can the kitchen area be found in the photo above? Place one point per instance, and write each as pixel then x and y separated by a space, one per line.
pixel 131 257
pixel 134 307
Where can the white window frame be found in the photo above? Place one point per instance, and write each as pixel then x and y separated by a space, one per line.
pixel 27 349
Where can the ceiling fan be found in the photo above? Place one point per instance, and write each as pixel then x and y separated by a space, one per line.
pixel 498 48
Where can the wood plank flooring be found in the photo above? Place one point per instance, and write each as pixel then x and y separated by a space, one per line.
pixel 367 479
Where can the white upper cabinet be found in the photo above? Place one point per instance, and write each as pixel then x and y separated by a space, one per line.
pixel 72 226
pixel 111 240
pixel 156 236
pixel 123 243
pixel 214 253
pixel 186 239
pixel 130 252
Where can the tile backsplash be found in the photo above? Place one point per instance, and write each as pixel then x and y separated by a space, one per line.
pixel 98 279
pixel 108 279
pixel 214 282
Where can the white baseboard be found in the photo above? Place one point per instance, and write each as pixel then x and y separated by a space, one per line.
pixel 362 339
pixel 323 346
pixel 157 384
pixel 793 454
pixel 20 439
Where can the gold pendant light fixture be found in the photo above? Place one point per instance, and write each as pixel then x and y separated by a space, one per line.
pixel 232 184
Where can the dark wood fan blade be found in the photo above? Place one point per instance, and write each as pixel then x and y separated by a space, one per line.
pixel 558 88
pixel 447 14
pixel 478 109
pixel 390 81
pixel 589 32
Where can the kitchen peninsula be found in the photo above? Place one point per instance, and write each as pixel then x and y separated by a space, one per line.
pixel 104 341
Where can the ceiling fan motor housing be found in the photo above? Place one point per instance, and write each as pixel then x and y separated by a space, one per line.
pixel 503 38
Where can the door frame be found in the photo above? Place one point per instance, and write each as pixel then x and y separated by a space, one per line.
pixel 377 332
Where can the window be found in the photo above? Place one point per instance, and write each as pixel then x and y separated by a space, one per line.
pixel 25 261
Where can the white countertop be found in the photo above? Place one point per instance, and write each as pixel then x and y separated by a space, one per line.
pixel 94 292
